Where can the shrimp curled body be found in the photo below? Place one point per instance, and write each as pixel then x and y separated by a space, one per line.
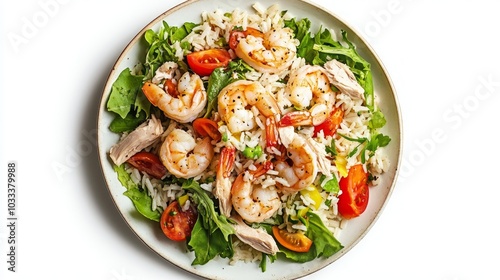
pixel 254 203
pixel 269 52
pixel 185 157
pixel 236 99
pixel 303 168
pixel 186 104
pixel 309 86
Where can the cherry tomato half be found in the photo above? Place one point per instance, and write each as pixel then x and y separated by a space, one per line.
pixel 204 62
pixel 206 127
pixel 355 192
pixel 330 125
pixel 296 242
pixel 149 163
pixel 177 224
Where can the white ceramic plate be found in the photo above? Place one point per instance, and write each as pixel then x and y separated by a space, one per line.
pixel 150 233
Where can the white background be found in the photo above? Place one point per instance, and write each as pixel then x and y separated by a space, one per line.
pixel 440 223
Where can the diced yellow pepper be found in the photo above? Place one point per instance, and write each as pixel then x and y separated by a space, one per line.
pixel 314 194
pixel 301 213
pixel 341 163
pixel 182 199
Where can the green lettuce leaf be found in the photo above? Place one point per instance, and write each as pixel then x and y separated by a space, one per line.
pixel 124 93
pixel 141 200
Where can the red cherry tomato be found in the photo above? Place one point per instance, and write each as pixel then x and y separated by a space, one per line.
pixel 355 192
pixel 177 224
pixel 204 62
pixel 236 35
pixel 149 163
pixel 206 127
pixel 330 125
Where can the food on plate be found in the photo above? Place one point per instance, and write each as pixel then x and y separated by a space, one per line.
pixel 249 135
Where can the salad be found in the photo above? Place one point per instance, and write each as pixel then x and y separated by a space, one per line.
pixel 248 136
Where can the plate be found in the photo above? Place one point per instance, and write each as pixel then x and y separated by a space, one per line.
pixel 176 253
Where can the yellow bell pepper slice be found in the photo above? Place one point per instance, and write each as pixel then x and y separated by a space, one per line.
pixel 341 163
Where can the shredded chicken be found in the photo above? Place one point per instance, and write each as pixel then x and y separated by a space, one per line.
pixel 342 77
pixel 322 160
pixel 258 238
pixel 143 136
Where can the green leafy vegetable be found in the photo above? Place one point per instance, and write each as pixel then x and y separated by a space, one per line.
pixel 141 200
pixel 216 82
pixel 331 149
pixel 130 122
pixel 211 235
pixel 207 245
pixel 377 121
pixel 220 78
pixel 160 48
pixel 331 185
pixel 324 243
pixel 124 93
pixel 376 141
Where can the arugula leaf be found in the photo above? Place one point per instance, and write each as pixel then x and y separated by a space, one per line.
pixel 141 200
pixel 331 149
pixel 160 48
pixel 124 93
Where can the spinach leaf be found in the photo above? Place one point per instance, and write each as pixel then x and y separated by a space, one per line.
pixel 141 200
pixel 130 122
pixel 207 245
pixel 220 78
pixel 212 233
pixel 216 82
pixel 325 244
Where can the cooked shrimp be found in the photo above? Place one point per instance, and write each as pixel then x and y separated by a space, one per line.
pixel 309 86
pixel 235 100
pixel 183 156
pixel 222 189
pixel 252 202
pixel 183 103
pixel 302 170
pixel 270 52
